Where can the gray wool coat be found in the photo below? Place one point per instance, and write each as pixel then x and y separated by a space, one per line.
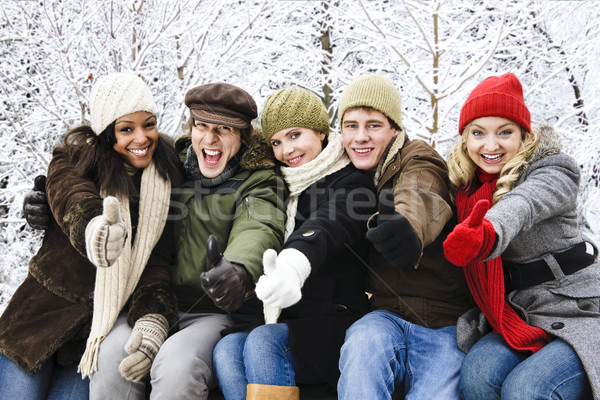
pixel 536 219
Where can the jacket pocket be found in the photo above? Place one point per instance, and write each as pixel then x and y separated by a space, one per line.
pixel 261 210
pixel 583 284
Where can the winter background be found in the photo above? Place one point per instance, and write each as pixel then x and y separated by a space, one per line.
pixel 436 52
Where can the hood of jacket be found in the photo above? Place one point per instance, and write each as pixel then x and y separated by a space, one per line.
pixel 549 145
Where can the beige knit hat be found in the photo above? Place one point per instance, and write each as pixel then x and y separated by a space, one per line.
pixel 116 95
pixel 372 91
pixel 293 107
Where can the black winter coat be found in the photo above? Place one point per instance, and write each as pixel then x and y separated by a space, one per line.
pixel 331 223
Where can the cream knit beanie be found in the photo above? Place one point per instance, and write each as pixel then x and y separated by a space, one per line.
pixel 372 91
pixel 293 107
pixel 116 95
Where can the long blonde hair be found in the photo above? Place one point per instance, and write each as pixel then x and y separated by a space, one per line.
pixel 461 168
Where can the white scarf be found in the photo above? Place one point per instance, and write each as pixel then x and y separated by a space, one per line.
pixel 116 283
pixel 330 160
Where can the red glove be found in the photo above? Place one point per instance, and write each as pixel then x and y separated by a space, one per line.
pixel 472 239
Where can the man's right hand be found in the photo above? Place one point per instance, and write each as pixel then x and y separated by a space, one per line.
pixel 35 205
pixel 224 282
pixel 394 237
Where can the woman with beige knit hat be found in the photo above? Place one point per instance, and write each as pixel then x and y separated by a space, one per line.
pixel 409 339
pixel 313 289
pixel 104 257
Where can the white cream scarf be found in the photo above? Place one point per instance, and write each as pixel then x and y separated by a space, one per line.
pixel 330 160
pixel 116 283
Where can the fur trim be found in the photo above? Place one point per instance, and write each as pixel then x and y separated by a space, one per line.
pixel 391 152
pixel 550 143
pixel 157 298
pixel 394 149
pixel 259 154
pixel 34 369
pixel 77 219
pixel 46 280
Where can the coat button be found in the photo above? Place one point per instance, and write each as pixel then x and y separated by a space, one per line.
pixel 557 325
pixel 308 233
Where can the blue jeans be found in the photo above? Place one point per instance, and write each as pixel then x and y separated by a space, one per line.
pixel 52 382
pixel 493 370
pixel 383 352
pixel 262 356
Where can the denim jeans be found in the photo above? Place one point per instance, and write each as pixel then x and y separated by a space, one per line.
pixel 493 370
pixel 52 382
pixel 181 370
pixel 382 352
pixel 262 356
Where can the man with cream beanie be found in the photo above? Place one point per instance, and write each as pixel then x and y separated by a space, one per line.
pixel 409 341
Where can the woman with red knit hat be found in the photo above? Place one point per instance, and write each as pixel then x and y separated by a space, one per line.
pixel 530 269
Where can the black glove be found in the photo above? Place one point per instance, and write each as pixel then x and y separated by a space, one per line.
pixel 394 237
pixel 225 283
pixel 35 205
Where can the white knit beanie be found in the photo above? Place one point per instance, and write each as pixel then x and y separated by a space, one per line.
pixel 116 95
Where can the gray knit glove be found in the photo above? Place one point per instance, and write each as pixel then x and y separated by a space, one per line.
pixel 105 235
pixel 148 334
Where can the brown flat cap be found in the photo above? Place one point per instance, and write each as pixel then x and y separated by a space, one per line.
pixel 221 103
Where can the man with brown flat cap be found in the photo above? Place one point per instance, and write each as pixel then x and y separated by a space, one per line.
pixel 231 199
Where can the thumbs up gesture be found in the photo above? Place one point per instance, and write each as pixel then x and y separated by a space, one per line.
pixel 105 235
pixel 224 282
pixel 394 237
pixel 270 312
pixel 280 286
pixel 472 239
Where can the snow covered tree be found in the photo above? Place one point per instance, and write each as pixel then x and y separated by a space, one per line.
pixel 435 51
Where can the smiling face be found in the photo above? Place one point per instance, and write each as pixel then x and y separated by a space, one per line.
pixel 492 142
pixel 297 146
pixel 214 145
pixel 366 134
pixel 137 138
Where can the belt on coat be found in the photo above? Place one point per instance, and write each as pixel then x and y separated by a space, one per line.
pixel 524 275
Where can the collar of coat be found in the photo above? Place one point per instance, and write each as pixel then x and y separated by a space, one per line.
pixel 390 154
pixel 549 144
pixel 259 154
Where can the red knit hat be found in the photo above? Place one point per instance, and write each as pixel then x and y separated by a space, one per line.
pixel 496 96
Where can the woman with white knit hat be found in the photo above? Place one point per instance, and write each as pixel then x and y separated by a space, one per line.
pixel 104 257
pixel 314 287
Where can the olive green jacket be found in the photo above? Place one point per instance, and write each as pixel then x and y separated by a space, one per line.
pixel 245 213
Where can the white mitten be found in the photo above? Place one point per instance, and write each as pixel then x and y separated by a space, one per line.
pixel 269 261
pixel 148 334
pixel 105 235
pixel 280 286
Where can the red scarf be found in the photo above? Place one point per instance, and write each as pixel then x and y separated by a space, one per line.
pixel 486 280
